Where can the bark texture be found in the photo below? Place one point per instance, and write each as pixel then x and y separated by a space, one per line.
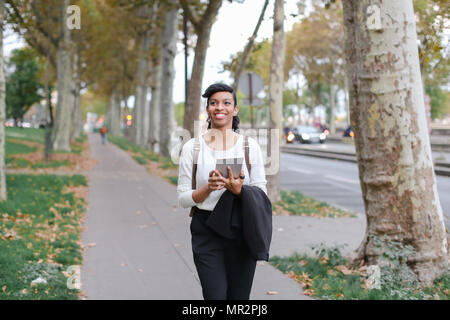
pixel 169 51
pixel 276 98
pixel 61 128
pixel 391 138
pixel 3 193
pixel 140 131
pixel 113 114
pixel 203 29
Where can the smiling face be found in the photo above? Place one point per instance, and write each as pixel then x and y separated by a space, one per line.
pixel 221 109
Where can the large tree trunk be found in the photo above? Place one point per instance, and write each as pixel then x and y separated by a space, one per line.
pixel 113 114
pixel 155 103
pixel 331 116
pixel 61 128
pixel 391 138
pixel 169 50
pixel 76 124
pixel 3 193
pixel 276 100
pixel 139 130
pixel 194 90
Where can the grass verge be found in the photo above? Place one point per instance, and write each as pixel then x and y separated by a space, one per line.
pixel 295 203
pixel 328 275
pixel 40 227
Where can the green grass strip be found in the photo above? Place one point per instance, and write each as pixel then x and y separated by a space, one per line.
pixel 40 228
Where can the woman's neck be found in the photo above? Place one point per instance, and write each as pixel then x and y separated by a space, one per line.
pixel 221 138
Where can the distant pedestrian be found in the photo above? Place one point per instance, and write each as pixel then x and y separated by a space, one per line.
pixel 224 251
pixel 103 134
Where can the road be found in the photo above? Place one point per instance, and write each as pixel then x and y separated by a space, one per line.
pixel 337 182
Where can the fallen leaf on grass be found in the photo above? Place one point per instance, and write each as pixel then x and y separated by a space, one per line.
pixel 339 295
pixel 324 260
pixel 271 293
pixel 344 270
pixel 308 292
pixel 331 272
pixel 4 288
pixel 303 262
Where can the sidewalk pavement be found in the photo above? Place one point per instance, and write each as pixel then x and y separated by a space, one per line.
pixel 137 240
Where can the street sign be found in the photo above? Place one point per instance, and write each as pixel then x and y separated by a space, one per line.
pixel 256 102
pixel 250 84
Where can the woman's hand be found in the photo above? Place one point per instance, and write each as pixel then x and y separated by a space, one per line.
pixel 233 184
pixel 215 181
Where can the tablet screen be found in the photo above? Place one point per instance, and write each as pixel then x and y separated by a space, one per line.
pixel 234 163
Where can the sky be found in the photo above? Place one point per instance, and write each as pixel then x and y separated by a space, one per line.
pixel 234 25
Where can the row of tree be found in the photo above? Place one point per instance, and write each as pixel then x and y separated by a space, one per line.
pixel 127 48
pixel 315 53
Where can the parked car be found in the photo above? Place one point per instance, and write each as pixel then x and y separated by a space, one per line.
pixel 308 134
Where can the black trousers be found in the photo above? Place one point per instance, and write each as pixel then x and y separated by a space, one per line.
pixel 225 266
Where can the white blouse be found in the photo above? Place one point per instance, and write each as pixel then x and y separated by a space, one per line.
pixel 207 162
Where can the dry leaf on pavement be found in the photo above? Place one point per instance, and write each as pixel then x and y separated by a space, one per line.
pixel 272 293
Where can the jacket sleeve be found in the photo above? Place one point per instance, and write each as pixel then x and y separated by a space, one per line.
pixel 258 173
pixel 184 188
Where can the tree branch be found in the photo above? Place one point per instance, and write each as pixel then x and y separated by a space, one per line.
pixel 190 15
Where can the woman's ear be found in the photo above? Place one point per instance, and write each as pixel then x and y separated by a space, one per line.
pixel 236 110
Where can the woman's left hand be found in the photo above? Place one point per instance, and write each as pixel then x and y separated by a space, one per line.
pixel 233 184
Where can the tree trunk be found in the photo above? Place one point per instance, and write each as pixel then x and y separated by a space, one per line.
pixel 331 116
pixel 3 193
pixel 113 114
pixel 276 100
pixel 61 128
pixel 391 138
pixel 76 124
pixel 194 90
pixel 155 105
pixel 146 39
pixel 169 50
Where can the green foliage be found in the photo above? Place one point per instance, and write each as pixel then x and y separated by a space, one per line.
pixel 397 279
pixel 140 160
pixel 333 254
pixel 439 101
pixel 167 163
pixel 173 179
pixel 23 83
pixel 179 113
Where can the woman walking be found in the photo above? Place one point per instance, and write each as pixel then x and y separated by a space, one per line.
pixel 225 266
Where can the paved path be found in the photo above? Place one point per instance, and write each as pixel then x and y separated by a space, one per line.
pixel 138 242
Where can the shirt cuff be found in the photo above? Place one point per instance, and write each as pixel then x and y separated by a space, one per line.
pixel 185 199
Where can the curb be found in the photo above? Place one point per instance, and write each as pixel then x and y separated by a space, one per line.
pixel 440 168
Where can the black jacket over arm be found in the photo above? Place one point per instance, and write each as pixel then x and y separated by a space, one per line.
pixel 251 214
